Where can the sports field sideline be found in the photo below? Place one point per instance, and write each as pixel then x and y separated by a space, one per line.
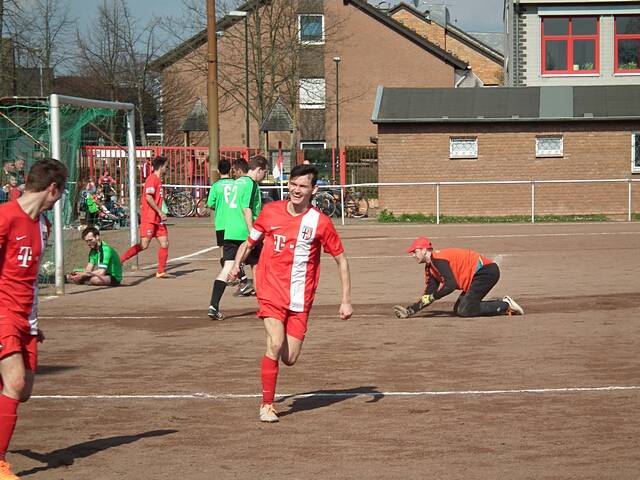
pixel 137 382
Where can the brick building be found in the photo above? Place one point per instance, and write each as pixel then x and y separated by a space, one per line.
pixel 373 47
pixel 562 42
pixel 523 134
pixel 485 61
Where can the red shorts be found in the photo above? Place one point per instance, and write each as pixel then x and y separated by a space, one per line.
pixel 295 323
pixel 13 340
pixel 153 230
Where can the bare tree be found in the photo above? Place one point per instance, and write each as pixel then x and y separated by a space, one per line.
pixel 140 49
pixel 101 48
pixel 9 9
pixel 43 34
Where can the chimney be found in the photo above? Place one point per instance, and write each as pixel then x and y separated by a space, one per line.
pixel 440 14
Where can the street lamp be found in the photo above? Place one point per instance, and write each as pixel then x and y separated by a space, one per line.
pixel 245 15
pixel 212 92
pixel 337 62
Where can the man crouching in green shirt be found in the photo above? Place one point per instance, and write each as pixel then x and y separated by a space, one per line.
pixel 104 267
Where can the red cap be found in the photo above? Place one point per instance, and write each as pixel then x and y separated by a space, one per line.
pixel 420 242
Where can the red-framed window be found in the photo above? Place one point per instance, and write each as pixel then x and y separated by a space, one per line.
pixel 570 45
pixel 627 49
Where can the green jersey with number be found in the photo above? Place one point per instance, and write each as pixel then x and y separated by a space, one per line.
pixel 245 194
pixel 218 199
pixel 107 258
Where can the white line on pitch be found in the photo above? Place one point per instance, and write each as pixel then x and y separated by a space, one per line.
pixel 183 257
pixel 180 317
pixel 212 396
pixel 506 235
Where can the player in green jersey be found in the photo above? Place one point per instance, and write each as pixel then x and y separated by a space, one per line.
pixel 218 194
pixel 244 203
pixel 104 267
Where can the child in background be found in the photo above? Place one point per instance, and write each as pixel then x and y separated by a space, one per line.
pixel 13 190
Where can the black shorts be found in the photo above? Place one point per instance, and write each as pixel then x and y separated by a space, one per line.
pixel 231 249
pixel 220 238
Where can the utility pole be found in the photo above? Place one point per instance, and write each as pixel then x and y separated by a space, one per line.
pixel 212 91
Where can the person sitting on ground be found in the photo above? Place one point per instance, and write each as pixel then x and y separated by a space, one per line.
pixel 452 269
pixel 104 267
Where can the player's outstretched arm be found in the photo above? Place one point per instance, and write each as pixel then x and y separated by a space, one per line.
pixel 405 312
pixel 346 309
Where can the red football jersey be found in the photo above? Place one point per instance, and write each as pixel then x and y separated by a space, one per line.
pixel 22 241
pixel 153 187
pixel 289 267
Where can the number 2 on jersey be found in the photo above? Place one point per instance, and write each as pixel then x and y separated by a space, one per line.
pixel 231 195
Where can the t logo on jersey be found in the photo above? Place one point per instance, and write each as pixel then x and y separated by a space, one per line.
pixel 279 242
pixel 24 257
pixel 307 233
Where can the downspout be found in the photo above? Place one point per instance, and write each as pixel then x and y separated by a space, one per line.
pixel 516 64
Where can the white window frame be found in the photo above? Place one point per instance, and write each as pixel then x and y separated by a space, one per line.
pixel 311 145
pixel 469 155
pixel 310 42
pixel 310 88
pixel 549 153
pixel 635 162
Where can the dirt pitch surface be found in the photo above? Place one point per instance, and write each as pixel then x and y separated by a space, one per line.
pixel 137 383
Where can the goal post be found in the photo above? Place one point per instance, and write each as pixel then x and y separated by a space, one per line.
pixel 55 102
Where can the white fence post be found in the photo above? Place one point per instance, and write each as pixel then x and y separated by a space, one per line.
pixel 533 201
pixel 437 204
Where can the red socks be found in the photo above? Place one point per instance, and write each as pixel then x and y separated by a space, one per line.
pixel 8 418
pixel 163 255
pixel 269 371
pixel 132 252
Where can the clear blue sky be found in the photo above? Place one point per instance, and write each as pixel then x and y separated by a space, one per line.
pixel 470 15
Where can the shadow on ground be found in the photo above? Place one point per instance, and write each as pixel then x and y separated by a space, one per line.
pixel 324 398
pixel 66 456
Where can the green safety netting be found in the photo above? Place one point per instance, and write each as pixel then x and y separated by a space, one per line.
pixel 25 132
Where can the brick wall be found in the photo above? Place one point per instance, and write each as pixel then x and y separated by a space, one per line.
pixel 487 69
pixel 420 153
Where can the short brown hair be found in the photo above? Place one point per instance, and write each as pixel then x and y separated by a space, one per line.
pixel 158 162
pixel 239 164
pixel 89 230
pixel 45 172
pixel 258 162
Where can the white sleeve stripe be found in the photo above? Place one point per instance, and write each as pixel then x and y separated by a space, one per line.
pixel 255 235
pixel 150 190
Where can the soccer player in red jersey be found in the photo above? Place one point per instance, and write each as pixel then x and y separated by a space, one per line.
pixel 23 236
pixel 293 235
pixel 153 219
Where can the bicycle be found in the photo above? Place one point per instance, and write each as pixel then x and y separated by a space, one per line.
pixel 356 204
pixel 180 204
pixel 328 202
pixel 325 202
pixel 202 209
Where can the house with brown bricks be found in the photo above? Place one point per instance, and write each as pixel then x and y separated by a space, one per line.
pixel 490 136
pixel 434 24
pixel 341 50
pixel 561 42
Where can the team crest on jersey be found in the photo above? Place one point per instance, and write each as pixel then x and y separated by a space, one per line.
pixel 307 233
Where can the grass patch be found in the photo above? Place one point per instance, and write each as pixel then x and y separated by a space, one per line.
pixel 385 216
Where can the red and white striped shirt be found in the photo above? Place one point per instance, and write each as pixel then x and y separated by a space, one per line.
pixel 22 241
pixel 289 267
